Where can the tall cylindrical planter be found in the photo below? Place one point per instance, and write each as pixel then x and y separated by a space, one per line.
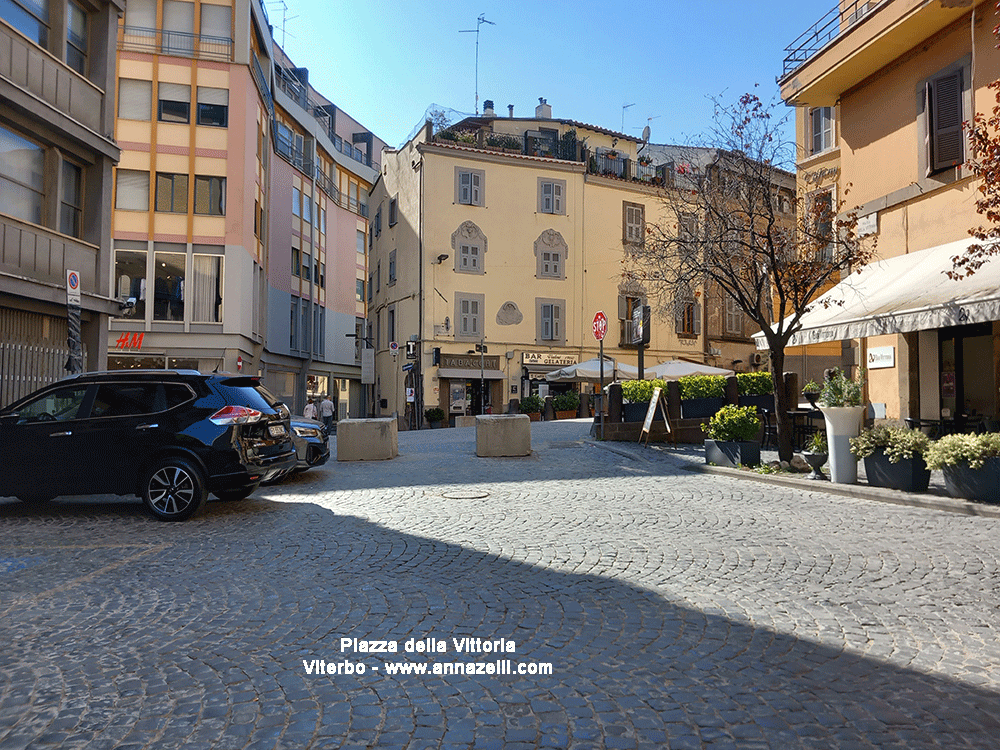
pixel 843 423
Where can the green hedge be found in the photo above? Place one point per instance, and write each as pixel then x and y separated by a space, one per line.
pixel 640 391
pixel 755 383
pixel 702 386
pixel 733 423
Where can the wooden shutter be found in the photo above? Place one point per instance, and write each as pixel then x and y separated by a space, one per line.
pixel 622 307
pixel 465 187
pixel 547 197
pixel 546 322
pixel 555 322
pixel 697 318
pixel 557 198
pixel 476 190
pixel 946 121
pixel 474 315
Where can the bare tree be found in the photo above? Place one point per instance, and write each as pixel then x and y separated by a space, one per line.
pixel 726 227
pixel 984 142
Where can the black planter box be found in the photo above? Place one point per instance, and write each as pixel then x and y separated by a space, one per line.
pixel 908 474
pixel 981 484
pixel 732 454
pixel 694 408
pixel 637 412
pixel 765 401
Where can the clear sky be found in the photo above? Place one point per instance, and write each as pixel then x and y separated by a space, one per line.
pixel 385 61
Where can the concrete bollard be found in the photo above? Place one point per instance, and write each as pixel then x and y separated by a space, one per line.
pixel 367 439
pixel 503 435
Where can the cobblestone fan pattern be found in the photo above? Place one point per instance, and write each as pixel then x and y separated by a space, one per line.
pixel 678 611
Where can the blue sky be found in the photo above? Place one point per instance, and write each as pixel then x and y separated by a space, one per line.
pixel 385 62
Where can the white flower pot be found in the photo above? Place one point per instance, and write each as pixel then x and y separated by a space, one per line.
pixel 843 423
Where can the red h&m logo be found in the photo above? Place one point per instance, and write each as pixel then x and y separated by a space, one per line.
pixel 127 341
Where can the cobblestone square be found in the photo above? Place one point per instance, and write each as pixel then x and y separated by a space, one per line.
pixel 677 610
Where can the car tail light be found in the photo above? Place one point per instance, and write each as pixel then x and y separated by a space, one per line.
pixel 235 415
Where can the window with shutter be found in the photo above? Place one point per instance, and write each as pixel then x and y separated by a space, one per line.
pixel 547 321
pixel 171 192
pixel 822 129
pixel 633 219
pixel 216 21
pixel 132 193
pixel 135 99
pixel 476 189
pixel 468 316
pixel 465 187
pixel 178 27
pixel 547 197
pixel 213 106
pixel 174 102
pixel 210 195
pixel 469 184
pixel 947 142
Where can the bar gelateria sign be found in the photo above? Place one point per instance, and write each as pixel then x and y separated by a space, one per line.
pixel 547 358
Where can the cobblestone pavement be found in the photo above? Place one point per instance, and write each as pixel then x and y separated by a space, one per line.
pixel 677 610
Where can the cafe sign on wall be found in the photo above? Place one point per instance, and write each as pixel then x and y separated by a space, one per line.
pixel 881 357
pixel 547 358
pixel 470 361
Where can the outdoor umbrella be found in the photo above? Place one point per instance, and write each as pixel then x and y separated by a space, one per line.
pixel 678 368
pixel 591 371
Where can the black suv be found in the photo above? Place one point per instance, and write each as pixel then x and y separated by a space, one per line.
pixel 168 436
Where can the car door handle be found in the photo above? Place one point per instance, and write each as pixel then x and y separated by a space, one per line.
pixel 147 426
pixel 61 434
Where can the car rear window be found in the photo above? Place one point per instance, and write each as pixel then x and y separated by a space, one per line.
pixel 247 392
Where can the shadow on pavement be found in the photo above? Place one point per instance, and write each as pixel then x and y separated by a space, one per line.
pixel 146 634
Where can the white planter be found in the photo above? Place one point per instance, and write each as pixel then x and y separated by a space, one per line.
pixel 843 423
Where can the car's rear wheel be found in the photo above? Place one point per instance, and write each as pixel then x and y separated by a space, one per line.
pixel 235 493
pixel 174 490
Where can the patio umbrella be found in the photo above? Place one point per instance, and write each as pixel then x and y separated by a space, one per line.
pixel 591 371
pixel 677 368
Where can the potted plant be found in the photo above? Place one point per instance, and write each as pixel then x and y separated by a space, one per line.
pixel 840 401
pixel 756 389
pixel 815 454
pixel 636 395
pixel 894 457
pixel 811 391
pixel 566 405
pixel 971 465
pixel 731 437
pixel 532 406
pixel 701 395
pixel 435 416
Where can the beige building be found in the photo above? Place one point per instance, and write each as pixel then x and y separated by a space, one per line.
pixel 57 85
pixel 508 233
pixel 881 91
pixel 238 224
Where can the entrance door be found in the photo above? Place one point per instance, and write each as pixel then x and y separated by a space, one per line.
pixel 967 382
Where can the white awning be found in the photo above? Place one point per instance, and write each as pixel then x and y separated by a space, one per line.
pixel 902 294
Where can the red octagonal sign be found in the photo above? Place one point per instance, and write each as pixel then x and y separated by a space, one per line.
pixel 600 325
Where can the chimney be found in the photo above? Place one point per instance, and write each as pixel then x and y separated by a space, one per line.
pixel 543 111
pixel 488 108
pixel 510 109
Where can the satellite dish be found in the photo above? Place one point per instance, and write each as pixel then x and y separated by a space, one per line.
pixel 645 134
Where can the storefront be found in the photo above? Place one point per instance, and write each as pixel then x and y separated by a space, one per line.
pixel 536 365
pixel 469 385
pixel 930 344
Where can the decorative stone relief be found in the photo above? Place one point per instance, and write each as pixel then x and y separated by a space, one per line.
pixel 509 315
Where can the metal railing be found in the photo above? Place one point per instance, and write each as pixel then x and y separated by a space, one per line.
pixel 262 83
pixel 179 43
pixel 834 23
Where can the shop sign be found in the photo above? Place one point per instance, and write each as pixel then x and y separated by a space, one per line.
pixel 867 225
pixel 547 358
pixel 129 341
pixel 470 361
pixel 881 357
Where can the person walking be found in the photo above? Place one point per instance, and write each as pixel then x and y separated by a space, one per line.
pixel 326 412
pixel 310 411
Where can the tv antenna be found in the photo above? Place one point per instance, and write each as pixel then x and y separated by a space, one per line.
pixel 624 107
pixel 479 22
pixel 285 18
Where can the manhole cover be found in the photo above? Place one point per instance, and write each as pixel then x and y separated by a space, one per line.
pixel 465 495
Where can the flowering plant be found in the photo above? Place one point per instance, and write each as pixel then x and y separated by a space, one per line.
pixel 953 450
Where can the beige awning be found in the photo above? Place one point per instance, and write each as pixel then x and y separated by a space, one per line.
pixel 902 294
pixel 462 373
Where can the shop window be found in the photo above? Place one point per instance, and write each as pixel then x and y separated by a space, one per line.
pixel 168 286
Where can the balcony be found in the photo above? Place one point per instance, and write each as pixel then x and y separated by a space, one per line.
pixel 825 30
pixel 177 43
pixel 856 39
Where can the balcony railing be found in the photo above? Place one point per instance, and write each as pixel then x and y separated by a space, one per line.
pixel 836 22
pixel 262 83
pixel 179 43
pixel 300 94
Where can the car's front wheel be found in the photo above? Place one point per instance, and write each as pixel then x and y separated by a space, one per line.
pixel 174 490
pixel 235 493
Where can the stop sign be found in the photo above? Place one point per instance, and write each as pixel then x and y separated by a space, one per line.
pixel 600 325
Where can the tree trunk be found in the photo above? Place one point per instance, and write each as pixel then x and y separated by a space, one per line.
pixel 782 405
